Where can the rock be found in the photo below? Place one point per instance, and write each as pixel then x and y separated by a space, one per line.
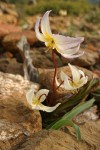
pixel 51 139
pixel 88 59
pixel 97 72
pixel 6 55
pixel 8 13
pixel 7 28
pixel 46 79
pixel 10 19
pixel 90 133
pixel 8 65
pixel 41 59
pixel 63 12
pixel 58 140
pixel 10 41
pixel 87 115
pixel 8 8
pixel 16 119
pixel 11 134
pixel 87 27
pixel 92 47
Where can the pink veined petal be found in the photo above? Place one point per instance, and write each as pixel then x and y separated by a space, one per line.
pixel 66 47
pixel 48 109
pixel 38 34
pixel 72 56
pixel 45 25
pixel 72 51
pixel 63 40
pixel 75 73
pixel 29 96
pixel 41 94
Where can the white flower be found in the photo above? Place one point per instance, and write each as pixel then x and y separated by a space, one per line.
pixel 66 46
pixel 35 100
pixel 78 79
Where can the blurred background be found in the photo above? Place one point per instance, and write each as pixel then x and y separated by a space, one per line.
pixel 83 15
pixel 68 17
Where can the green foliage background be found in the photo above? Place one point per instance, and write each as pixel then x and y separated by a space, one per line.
pixel 73 7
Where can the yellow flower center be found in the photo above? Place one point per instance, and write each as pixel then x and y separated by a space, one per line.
pixel 49 42
pixel 74 84
pixel 35 101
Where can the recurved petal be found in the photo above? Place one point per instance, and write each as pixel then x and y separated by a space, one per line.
pixel 65 78
pixel 48 109
pixel 30 95
pixel 57 83
pixel 72 56
pixel 39 35
pixel 70 41
pixel 67 46
pixel 70 51
pixel 84 80
pixel 41 94
pixel 75 73
pixel 82 73
pixel 45 25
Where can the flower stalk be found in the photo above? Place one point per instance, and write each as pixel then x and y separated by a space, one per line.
pixel 54 77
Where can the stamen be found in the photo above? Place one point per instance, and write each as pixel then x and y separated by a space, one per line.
pixel 45 96
pixel 59 85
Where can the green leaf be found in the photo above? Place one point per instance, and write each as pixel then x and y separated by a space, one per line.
pixel 75 111
pixel 63 122
pixel 79 108
pixel 66 119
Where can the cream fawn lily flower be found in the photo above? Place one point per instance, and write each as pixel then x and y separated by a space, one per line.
pixel 66 46
pixel 78 79
pixel 35 100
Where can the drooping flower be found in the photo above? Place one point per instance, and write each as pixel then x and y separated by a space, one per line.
pixel 65 45
pixel 78 79
pixel 35 100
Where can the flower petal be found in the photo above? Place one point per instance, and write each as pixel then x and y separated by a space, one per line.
pixel 41 94
pixel 45 25
pixel 68 46
pixel 75 73
pixel 36 107
pixel 83 80
pixel 70 51
pixel 72 56
pixel 65 78
pixel 30 95
pixel 57 83
pixel 48 109
pixel 38 34
pixel 56 80
pixel 67 42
